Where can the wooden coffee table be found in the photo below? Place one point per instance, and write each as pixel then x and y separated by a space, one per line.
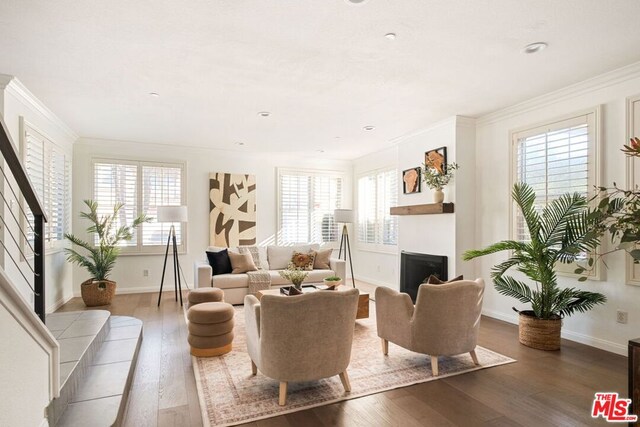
pixel 363 299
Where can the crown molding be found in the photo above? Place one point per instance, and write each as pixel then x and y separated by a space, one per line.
pixel 15 87
pixel 601 81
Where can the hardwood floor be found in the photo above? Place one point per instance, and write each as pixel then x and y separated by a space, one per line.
pixel 541 389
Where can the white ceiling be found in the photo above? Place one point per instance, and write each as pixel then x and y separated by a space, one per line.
pixel 323 68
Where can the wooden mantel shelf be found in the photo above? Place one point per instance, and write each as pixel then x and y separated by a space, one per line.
pixel 428 209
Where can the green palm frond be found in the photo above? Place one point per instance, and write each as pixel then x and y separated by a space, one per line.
pixel 101 258
pixel 563 231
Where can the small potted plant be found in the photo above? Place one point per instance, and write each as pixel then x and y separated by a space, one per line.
pixel 101 257
pixel 436 180
pixel 332 282
pixel 295 276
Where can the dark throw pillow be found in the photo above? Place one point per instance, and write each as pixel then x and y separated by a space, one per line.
pixel 433 280
pixel 219 262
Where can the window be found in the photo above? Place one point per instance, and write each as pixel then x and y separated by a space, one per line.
pixel 142 187
pixel 306 203
pixel 556 158
pixel 48 168
pixel 377 193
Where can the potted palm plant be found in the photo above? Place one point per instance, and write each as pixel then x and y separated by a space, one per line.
pixel 100 259
pixel 561 233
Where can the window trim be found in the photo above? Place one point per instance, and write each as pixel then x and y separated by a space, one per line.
pixel 307 171
pixel 594 173
pixel 139 249
pixel 373 247
pixel 51 246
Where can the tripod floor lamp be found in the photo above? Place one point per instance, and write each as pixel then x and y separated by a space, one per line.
pixel 172 214
pixel 344 217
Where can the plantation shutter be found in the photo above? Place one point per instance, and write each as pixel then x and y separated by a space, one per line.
pixel 377 193
pixel 554 159
pixel 161 186
pixel 34 161
pixel 48 169
pixel 116 183
pixel 306 205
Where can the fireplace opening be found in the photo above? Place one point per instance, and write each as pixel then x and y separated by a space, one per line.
pixel 415 269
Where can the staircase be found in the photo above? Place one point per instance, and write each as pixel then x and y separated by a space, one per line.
pixel 98 354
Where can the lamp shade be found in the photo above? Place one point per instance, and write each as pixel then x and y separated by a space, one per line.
pixel 172 214
pixel 343 215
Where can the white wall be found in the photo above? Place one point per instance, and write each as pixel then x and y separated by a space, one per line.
pixel 19 102
pixel 597 327
pixel 200 162
pixel 377 267
pixel 443 234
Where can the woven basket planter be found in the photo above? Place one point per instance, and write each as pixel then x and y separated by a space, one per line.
pixel 541 334
pixel 95 293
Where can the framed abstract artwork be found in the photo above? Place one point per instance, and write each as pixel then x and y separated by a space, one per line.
pixel 232 209
pixel 411 182
pixel 436 159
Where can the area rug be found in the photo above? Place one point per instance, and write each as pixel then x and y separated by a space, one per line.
pixel 230 395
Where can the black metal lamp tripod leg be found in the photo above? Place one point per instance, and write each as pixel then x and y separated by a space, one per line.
pixel 166 253
pixel 177 264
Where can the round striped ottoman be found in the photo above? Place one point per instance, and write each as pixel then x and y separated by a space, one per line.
pixel 210 328
pixel 200 295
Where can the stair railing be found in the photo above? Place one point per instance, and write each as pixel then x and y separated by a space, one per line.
pixel 35 224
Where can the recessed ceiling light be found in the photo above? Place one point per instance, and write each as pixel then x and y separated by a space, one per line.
pixel 239 143
pixel 356 1
pixel 154 94
pixel 369 128
pixel 320 151
pixel 390 36
pixel 534 47
pixel 264 114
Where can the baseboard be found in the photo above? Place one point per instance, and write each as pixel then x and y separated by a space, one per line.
pixel 144 289
pixel 62 301
pixel 375 282
pixel 609 346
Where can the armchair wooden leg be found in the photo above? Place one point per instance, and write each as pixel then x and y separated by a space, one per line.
pixel 434 365
pixel 345 381
pixel 254 368
pixel 474 357
pixel 385 347
pixel 283 393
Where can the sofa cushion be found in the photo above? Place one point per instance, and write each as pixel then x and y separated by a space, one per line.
pixel 280 256
pixel 302 261
pixel 321 261
pixel 230 281
pixel 314 276
pixel 219 262
pixel 241 263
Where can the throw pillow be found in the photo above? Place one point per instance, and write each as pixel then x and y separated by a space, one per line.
pixel 241 263
pixel 255 254
pixel 433 280
pixel 321 261
pixel 302 261
pixel 219 262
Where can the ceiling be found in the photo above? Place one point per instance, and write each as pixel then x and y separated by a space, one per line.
pixel 323 68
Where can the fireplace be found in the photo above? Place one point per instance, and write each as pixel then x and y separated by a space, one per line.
pixel 415 268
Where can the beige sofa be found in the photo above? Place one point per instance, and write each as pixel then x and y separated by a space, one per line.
pixel 301 338
pixel 272 259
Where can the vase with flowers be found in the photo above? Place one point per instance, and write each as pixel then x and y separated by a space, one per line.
pixel 436 180
pixel 295 276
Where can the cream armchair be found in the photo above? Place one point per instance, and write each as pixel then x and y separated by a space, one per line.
pixel 444 321
pixel 301 338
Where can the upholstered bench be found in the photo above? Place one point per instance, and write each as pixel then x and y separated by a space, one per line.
pixel 210 328
pixel 200 295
